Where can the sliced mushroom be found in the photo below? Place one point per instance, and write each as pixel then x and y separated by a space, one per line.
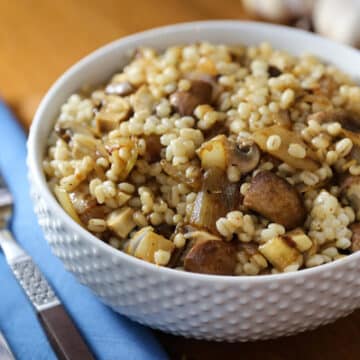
pixel 220 152
pixel 217 197
pixel 275 199
pixel 211 80
pixel 245 154
pixel 121 88
pixel 114 110
pixel 199 93
pixel 355 239
pixel 193 236
pixel 211 257
pixel 350 188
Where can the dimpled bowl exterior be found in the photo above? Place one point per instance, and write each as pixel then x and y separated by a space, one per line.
pixel 193 305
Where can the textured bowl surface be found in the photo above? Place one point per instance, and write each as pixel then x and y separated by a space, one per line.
pixel 193 305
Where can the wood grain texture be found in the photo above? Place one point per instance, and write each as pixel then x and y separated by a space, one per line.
pixel 40 39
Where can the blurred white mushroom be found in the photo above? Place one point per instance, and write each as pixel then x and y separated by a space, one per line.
pixel 338 20
pixel 279 10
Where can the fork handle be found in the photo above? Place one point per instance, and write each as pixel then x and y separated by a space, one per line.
pixel 13 252
pixel 63 335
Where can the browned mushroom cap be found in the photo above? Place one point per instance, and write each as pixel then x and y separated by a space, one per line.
pixel 193 236
pixel 199 93
pixel 217 89
pixel 211 257
pixel 350 188
pixel 355 239
pixel 274 198
pixel 245 154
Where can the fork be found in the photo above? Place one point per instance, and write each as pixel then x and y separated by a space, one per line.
pixel 59 328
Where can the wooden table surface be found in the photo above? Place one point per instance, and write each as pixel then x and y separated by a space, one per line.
pixel 40 39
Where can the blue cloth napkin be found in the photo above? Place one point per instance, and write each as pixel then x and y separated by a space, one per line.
pixel 110 336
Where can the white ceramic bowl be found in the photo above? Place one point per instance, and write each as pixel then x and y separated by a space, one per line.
pixel 193 305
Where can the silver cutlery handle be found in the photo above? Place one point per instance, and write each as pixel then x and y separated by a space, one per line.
pixel 5 352
pixel 13 252
pixel 64 337
pixel 34 284
pixel 27 273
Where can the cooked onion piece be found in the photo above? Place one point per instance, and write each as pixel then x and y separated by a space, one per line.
pixel 64 199
pixel 216 198
pixel 309 162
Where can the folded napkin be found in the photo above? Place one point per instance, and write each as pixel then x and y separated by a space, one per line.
pixel 110 336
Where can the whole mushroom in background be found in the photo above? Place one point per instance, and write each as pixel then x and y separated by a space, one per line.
pixel 337 20
pixel 279 10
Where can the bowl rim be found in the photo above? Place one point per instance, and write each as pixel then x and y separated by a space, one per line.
pixel 37 176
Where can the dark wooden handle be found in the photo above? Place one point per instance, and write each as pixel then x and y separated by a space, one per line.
pixel 63 335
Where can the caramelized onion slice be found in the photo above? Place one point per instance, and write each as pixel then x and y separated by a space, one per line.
pixel 217 197
pixel 64 199
pixel 310 162
pixel 349 120
pixel 178 173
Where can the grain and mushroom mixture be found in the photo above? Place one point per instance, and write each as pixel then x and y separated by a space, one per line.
pixel 216 159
